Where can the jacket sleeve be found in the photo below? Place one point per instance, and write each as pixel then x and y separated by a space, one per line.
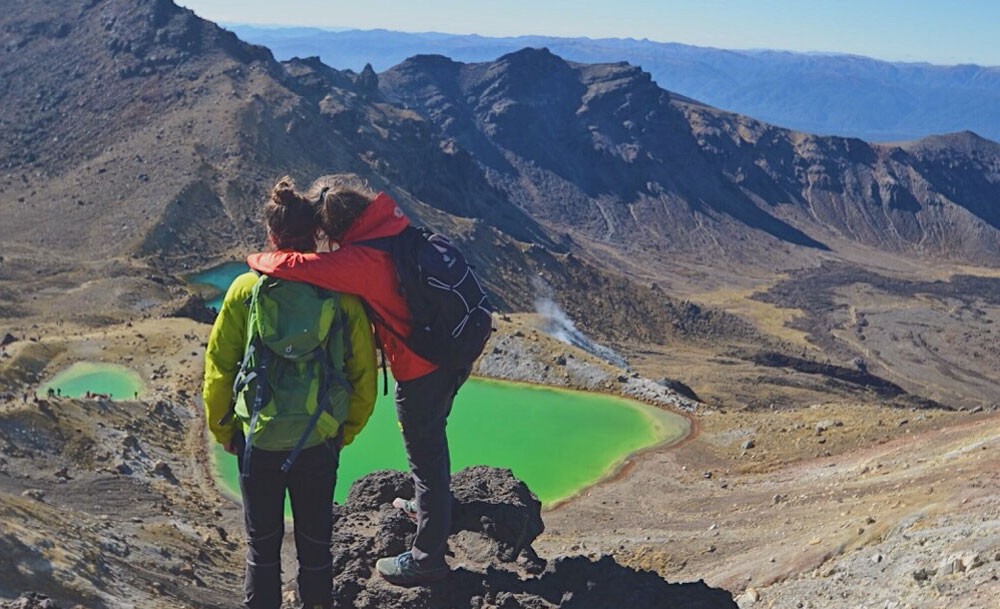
pixel 361 368
pixel 330 270
pixel 224 356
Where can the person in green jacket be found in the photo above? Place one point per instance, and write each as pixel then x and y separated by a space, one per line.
pixel 311 478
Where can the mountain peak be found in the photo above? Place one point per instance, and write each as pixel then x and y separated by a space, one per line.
pixel 965 142
pixel 428 60
pixel 532 54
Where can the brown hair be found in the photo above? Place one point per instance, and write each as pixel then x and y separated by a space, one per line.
pixel 290 218
pixel 340 200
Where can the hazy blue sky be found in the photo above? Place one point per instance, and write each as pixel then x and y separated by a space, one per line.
pixel 937 31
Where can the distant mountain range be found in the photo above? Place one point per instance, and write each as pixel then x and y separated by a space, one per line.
pixel 138 141
pixel 142 131
pixel 843 95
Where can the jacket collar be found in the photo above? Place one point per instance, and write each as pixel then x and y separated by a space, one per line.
pixel 382 218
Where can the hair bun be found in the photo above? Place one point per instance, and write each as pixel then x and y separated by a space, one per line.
pixel 283 192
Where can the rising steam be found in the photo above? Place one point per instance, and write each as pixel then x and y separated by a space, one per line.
pixel 557 324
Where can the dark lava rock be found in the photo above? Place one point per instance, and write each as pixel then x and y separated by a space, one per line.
pixel 194 307
pixel 496 518
pixel 679 387
pixel 30 600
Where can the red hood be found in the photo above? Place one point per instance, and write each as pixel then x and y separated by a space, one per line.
pixel 383 217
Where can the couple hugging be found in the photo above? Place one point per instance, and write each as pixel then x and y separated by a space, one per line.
pixel 291 373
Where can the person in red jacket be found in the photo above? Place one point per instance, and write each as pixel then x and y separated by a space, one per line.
pixel 350 212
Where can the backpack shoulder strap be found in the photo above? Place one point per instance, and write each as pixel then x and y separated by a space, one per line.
pixel 261 397
pixel 247 372
pixel 387 243
pixel 380 243
pixel 257 352
pixel 374 316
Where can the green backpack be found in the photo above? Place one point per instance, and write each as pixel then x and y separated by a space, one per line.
pixel 291 391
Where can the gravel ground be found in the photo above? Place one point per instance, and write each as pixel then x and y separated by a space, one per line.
pixel 838 504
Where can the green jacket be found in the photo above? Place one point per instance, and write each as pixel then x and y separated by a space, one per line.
pixel 225 354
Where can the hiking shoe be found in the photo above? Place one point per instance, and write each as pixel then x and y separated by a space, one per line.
pixel 407 506
pixel 404 570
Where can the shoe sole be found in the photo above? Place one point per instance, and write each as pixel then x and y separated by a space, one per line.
pixel 411 580
pixel 407 583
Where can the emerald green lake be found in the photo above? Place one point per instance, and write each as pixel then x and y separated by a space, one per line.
pixel 110 379
pixel 558 441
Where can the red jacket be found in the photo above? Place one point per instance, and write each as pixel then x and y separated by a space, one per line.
pixel 364 271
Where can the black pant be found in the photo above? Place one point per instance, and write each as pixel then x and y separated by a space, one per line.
pixel 310 484
pixel 423 406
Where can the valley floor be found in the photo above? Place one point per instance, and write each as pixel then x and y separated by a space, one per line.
pixel 907 520
pixel 832 505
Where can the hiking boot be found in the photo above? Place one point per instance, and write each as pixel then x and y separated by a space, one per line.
pixel 404 570
pixel 407 506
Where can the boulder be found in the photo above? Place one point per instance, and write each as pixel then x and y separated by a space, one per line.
pixel 495 519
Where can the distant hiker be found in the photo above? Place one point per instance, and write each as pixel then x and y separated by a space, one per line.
pixel 354 220
pixel 290 379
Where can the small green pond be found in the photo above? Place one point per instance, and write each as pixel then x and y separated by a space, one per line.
pixel 112 380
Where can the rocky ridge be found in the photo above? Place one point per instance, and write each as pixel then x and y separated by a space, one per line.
pixel 137 142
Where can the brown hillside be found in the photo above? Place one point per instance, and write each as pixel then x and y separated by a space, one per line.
pixel 823 310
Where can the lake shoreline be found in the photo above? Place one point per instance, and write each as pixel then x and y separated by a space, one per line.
pixel 661 428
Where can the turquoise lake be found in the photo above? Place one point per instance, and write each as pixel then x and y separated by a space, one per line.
pixel 112 380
